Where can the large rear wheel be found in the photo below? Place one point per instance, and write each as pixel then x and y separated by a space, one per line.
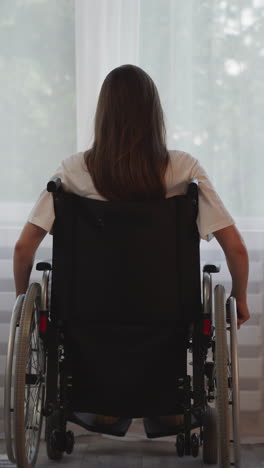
pixel 234 387
pixel 29 381
pixel 9 378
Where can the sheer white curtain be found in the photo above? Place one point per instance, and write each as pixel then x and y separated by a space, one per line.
pixel 206 59
pixel 107 35
pixel 37 124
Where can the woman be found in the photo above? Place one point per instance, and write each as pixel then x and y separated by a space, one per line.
pixel 129 161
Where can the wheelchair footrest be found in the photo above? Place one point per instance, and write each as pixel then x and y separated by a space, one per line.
pixel 118 428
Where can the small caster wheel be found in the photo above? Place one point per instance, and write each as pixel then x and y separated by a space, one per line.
pixel 180 445
pixel 69 442
pixel 209 369
pixel 54 445
pixel 195 442
pixel 57 440
pixel 54 442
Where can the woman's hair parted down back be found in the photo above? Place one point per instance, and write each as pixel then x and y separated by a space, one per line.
pixel 128 158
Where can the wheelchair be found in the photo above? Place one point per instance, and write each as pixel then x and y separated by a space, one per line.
pixel 73 334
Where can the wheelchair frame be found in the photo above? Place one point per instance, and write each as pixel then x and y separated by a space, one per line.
pixel 38 369
pixel 30 369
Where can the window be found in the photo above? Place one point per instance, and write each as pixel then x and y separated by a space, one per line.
pixel 207 59
pixel 37 93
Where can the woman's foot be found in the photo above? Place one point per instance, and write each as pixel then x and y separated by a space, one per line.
pixel 100 419
pixel 172 420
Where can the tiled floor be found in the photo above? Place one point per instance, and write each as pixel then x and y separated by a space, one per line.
pixel 132 451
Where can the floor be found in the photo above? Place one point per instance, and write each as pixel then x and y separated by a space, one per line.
pixel 132 451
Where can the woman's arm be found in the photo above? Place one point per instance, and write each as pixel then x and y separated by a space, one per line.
pixel 237 260
pixel 24 253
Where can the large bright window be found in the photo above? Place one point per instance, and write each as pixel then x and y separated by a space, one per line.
pixel 207 58
pixel 37 93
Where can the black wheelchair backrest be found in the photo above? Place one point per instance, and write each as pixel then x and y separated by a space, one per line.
pixel 126 285
pixel 126 260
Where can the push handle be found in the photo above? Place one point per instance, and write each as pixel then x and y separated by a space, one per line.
pixel 54 184
pixel 211 268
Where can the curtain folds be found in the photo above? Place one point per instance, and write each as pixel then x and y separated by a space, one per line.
pixel 106 35
pixel 206 59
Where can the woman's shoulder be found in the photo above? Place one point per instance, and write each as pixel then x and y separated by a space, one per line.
pixel 181 158
pixel 181 167
pixel 74 162
pixel 75 175
pixel 74 167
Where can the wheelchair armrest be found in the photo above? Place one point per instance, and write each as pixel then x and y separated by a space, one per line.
pixel 211 268
pixel 43 266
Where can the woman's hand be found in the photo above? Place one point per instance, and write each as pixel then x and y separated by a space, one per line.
pixel 236 254
pixel 242 313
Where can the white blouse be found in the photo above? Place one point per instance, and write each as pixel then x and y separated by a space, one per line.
pixel 182 168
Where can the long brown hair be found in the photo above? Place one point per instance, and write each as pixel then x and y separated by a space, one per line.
pixel 128 158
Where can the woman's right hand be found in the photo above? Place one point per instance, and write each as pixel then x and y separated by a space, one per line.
pixel 242 312
pixel 236 254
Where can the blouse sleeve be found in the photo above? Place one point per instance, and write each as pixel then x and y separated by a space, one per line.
pixel 212 214
pixel 42 213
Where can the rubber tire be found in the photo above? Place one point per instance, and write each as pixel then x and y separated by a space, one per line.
pixel 210 436
pixel 69 442
pixel 24 335
pixel 9 379
pixel 195 444
pixel 180 445
pixel 222 395
pixel 235 383
pixel 52 422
